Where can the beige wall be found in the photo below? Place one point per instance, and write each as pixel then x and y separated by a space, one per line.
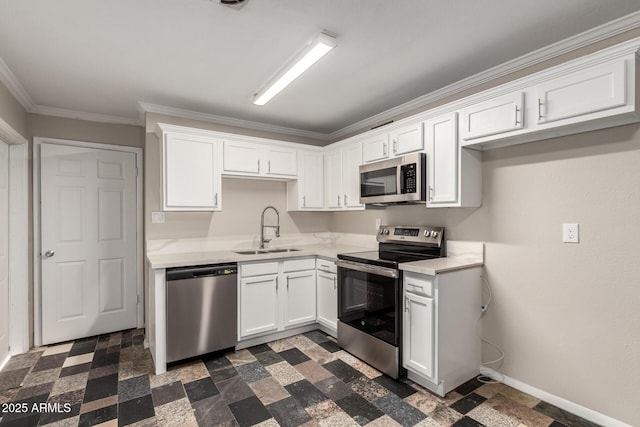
pixel 566 315
pixel 12 112
pixel 242 199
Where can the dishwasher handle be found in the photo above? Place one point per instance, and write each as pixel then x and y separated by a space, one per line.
pixel 181 273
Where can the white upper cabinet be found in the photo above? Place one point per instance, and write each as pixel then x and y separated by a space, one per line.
pixel 595 89
pixel 191 178
pixel 333 179
pixel 342 177
pixel 307 192
pixel 503 114
pixel 442 160
pixel 375 148
pixel 258 159
pixel 399 141
pixel 407 139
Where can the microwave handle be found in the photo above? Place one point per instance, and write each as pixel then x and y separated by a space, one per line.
pixel 400 179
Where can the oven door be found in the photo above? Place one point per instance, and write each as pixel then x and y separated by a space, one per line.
pixel 369 299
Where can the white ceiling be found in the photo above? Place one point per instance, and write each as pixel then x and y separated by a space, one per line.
pixel 103 57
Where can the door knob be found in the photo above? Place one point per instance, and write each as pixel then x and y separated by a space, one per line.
pixel 49 254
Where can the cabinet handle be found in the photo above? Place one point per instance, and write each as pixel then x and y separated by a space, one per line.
pixel 540 104
pixel 269 166
pixel 384 149
pixel 287 283
pixel 517 121
pixel 430 193
pixel 345 200
pixel 215 200
pixel 304 201
pixel 334 283
pixel 258 166
pixel 406 304
pixel 395 146
pixel 339 200
pixel 276 283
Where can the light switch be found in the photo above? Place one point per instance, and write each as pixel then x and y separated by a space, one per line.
pixel 157 217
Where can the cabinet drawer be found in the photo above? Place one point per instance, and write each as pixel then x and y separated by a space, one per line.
pixel 258 269
pixel 299 264
pixel 328 266
pixel 419 284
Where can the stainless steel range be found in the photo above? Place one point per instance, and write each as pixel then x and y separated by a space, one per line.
pixel 370 293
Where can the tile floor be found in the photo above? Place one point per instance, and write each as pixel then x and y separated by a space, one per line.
pixel 303 380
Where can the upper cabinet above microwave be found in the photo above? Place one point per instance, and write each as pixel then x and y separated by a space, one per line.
pixel 398 141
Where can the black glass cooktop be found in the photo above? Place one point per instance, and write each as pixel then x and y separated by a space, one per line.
pixel 391 257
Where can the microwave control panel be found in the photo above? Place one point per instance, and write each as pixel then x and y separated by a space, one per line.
pixel 409 179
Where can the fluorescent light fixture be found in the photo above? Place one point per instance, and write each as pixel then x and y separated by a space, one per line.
pixel 315 50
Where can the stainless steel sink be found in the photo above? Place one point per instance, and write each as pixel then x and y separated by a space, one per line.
pixel 251 252
pixel 272 251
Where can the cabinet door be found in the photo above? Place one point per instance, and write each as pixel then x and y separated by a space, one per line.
pixel 333 179
pixel 311 179
pixel 300 305
pixel 327 295
pixel 442 153
pixel 595 89
pixel 190 176
pixel 258 304
pixel 419 337
pixel 280 161
pixel 492 117
pixel 407 139
pixel 375 148
pixel 351 161
pixel 241 157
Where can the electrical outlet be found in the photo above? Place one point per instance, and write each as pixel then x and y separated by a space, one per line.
pixel 570 233
pixel 157 217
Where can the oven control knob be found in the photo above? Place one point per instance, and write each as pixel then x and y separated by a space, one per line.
pixel 434 234
pixel 386 231
pixel 382 231
pixel 427 233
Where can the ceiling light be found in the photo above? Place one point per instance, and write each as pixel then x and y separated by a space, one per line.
pixel 315 50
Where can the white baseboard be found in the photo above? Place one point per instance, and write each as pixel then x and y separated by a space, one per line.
pixel 567 405
pixel 4 362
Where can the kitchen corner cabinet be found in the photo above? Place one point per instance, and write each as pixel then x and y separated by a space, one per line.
pixel 454 175
pixel 402 140
pixel 342 177
pixel 499 115
pixel 191 179
pixel 441 334
pixel 327 295
pixel 259 160
pixel 307 192
pixel 276 295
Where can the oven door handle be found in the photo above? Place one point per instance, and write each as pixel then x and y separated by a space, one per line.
pixel 366 268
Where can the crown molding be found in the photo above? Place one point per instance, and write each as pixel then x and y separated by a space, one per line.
pixel 586 38
pixel 81 115
pixel 223 120
pixel 10 135
pixel 14 86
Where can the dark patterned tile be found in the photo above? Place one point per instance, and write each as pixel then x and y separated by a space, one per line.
pixel 83 347
pixel 317 336
pixel 167 393
pixel 467 422
pixel 76 369
pixel 103 371
pixel 26 360
pixel 99 416
pixel 133 388
pixel 399 410
pixel 467 403
pixel 13 378
pixel 330 346
pixel 36 390
pixel 212 411
pixel 138 340
pixel 343 371
pixel 29 420
pixel 200 389
pixel 361 410
pixel 259 349
pixel 557 424
pixel 566 418
pixel 368 388
pixel 469 386
pixel 399 388
pixel 215 363
pixel 234 389
pixel 269 357
pixel 289 413
pixel 305 393
pixel 224 374
pixel 334 388
pixel 294 356
pixel 49 362
pixel 104 358
pixel 135 410
pixel 251 372
pixel 67 406
pixel 22 416
pixel 249 411
pixel 102 387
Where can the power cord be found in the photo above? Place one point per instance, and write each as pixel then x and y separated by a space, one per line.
pixel 483 378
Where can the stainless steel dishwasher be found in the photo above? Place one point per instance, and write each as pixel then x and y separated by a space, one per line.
pixel 201 310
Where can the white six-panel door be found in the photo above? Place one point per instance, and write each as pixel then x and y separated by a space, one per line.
pixel 4 252
pixel 88 241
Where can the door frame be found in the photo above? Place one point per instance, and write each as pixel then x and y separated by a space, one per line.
pixel 37 249
pixel 18 239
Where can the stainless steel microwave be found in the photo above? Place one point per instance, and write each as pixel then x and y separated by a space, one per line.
pixel 399 180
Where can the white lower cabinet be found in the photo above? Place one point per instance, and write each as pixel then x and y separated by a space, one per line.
pixel 327 295
pixel 441 334
pixel 276 295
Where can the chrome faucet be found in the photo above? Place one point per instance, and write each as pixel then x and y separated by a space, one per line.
pixel 262 226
